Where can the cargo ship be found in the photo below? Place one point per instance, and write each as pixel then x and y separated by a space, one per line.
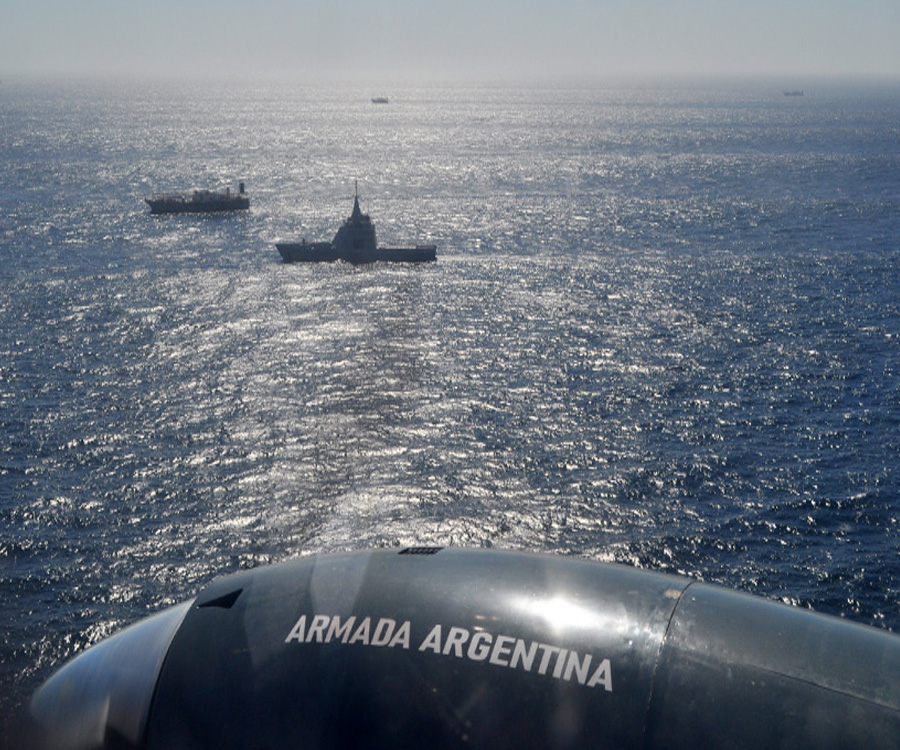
pixel 354 242
pixel 199 202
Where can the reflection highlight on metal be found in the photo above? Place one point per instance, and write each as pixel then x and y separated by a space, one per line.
pixel 560 613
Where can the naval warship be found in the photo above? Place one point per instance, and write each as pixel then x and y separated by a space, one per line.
pixel 199 202
pixel 354 242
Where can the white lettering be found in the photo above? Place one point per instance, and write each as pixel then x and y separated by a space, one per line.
pixel 339 631
pixel 560 663
pixel 402 636
pixel 603 676
pixel 298 632
pixel 501 650
pixel 521 655
pixel 478 649
pixel 362 632
pixel 432 641
pixel 477 645
pixel 545 659
pixel 383 632
pixel 317 629
pixel 580 668
pixel 455 640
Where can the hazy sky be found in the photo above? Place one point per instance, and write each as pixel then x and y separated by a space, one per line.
pixel 439 40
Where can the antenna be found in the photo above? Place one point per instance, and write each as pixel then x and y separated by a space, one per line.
pixel 356 188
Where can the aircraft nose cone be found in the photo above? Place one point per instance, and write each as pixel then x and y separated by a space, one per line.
pixel 101 699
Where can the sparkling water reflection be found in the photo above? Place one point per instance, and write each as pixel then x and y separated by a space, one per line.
pixel 662 329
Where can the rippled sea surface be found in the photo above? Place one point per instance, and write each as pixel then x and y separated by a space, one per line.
pixel 663 329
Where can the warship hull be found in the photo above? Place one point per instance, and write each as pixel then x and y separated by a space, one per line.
pixel 326 252
pixel 307 252
pixel 172 205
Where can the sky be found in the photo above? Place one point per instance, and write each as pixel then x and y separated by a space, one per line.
pixel 438 40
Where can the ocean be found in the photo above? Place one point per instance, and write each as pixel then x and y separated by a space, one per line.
pixel 663 329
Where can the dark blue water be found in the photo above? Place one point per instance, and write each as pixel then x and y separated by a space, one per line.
pixel 663 329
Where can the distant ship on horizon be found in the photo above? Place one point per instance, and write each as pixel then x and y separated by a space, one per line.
pixel 199 202
pixel 794 92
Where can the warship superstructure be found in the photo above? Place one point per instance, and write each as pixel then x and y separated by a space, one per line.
pixel 354 242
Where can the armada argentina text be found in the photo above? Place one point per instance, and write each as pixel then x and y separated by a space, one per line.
pixel 474 644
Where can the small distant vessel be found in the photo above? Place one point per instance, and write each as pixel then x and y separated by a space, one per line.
pixel 794 92
pixel 379 100
pixel 354 242
pixel 199 202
